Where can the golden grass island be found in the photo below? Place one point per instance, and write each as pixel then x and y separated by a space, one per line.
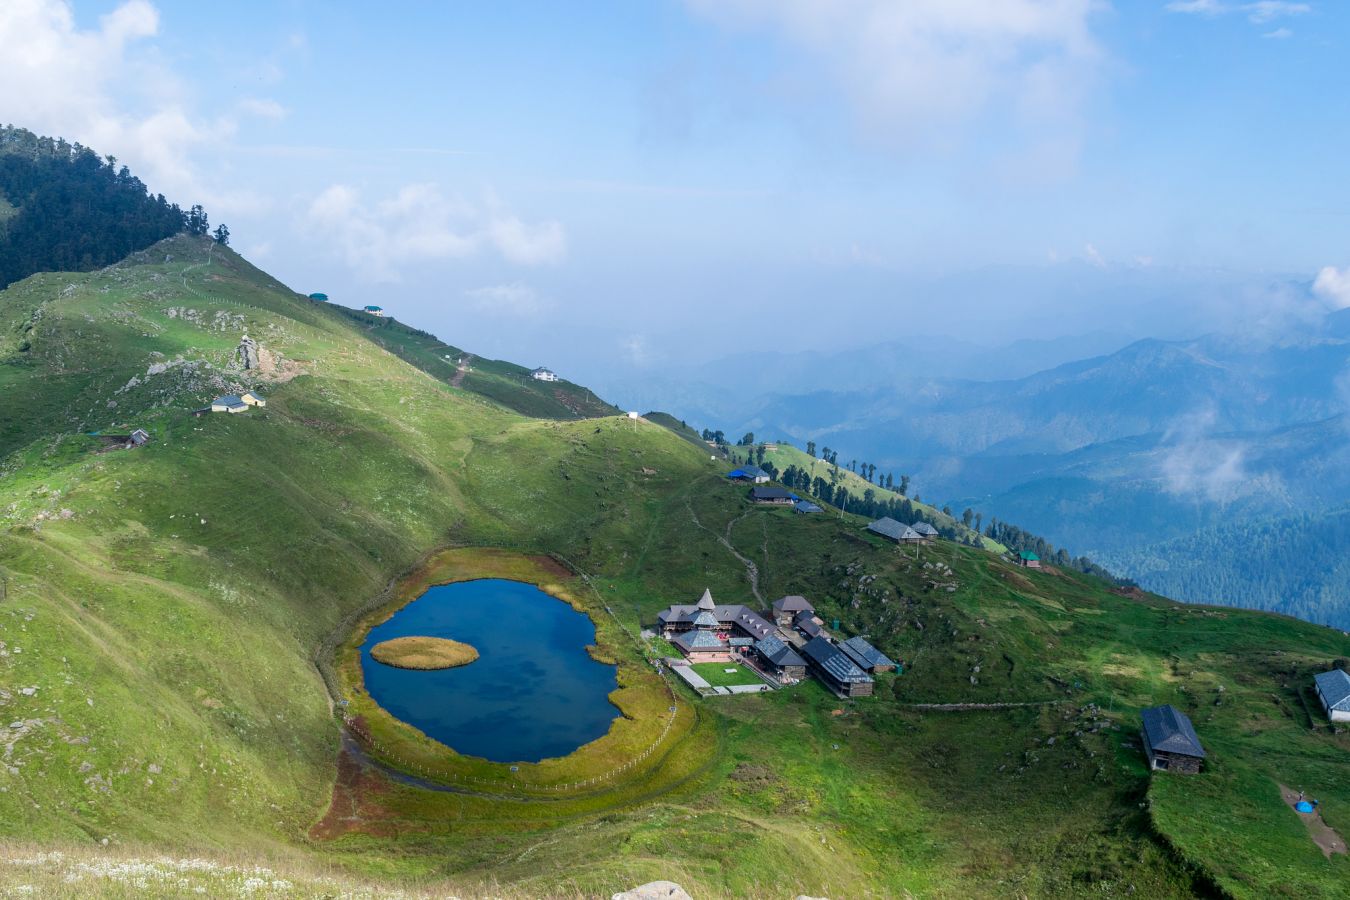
pixel 425 653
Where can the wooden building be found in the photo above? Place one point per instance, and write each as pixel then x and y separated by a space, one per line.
pixel 1028 560
pixel 926 532
pixel 703 645
pixel 785 609
pixel 780 660
pixel 732 625
pixel 771 496
pixel 867 657
pixel 1170 741
pixel 835 670
pixel 895 531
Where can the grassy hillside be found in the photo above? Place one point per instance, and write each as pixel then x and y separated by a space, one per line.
pixel 163 608
pixel 678 427
pixel 784 454
pixel 501 381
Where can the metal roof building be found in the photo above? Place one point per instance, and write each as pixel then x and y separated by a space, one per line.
pixel 1333 689
pixel 836 670
pixel 867 657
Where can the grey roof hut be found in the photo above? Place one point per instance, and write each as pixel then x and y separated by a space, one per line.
pixel 867 657
pixel 1170 740
pixel 835 670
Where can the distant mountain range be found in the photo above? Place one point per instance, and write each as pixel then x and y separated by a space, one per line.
pixel 1147 457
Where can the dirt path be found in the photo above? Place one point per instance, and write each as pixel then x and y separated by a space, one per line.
pixel 1322 834
pixel 751 570
pixel 461 369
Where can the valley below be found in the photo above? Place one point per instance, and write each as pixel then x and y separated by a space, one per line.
pixel 182 623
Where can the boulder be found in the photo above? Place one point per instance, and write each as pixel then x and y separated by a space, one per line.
pixel 247 352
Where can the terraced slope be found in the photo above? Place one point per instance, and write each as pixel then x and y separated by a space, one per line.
pixel 162 610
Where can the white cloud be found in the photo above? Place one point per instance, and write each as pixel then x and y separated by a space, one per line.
pixel 1333 286
pixel 1261 12
pixel 1193 463
pixel 263 108
pixel 421 224
pixel 1197 7
pixel 515 300
pixel 1094 256
pixel 1279 34
pixel 105 88
pixel 528 245
pixel 1269 10
pixel 914 70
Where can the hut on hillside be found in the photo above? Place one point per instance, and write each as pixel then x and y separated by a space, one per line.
pixel 835 670
pixel 1333 689
pixel 867 657
pixel 1028 560
pixel 1170 741
pixel 895 531
pixel 926 532
pixel 751 474
pixel 779 659
pixel 229 403
pixel 785 609
pixel 771 496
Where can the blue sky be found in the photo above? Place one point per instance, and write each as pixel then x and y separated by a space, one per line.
pixel 615 186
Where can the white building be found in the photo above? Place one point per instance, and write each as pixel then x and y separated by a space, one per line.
pixel 542 374
pixel 1333 689
pixel 230 403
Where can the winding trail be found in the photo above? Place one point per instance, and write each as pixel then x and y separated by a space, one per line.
pixel 461 370
pixel 751 570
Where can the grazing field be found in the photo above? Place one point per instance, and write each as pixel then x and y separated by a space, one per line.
pixel 178 622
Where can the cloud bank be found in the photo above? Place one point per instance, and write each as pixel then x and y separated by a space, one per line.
pixel 1333 286
pixel 419 224
pixel 913 70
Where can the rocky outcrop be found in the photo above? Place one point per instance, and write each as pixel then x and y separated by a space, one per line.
pixel 247 353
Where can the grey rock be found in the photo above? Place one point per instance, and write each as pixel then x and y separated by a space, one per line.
pixel 247 352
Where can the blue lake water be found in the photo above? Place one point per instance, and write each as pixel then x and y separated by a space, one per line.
pixel 533 693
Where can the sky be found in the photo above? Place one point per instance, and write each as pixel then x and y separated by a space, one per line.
pixel 623 186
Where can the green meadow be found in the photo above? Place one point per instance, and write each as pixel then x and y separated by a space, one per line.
pixel 177 625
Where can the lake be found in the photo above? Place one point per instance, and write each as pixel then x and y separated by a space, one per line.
pixel 534 693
